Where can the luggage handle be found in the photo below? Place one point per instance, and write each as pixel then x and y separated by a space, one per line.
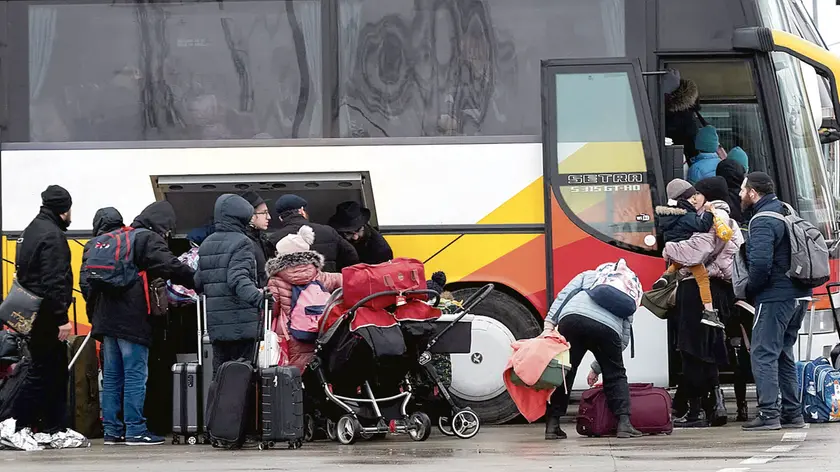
pixel 264 321
pixel 79 352
pixel 835 317
pixel 393 293
pixel 201 313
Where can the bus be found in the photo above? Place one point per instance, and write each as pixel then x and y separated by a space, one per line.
pixel 513 142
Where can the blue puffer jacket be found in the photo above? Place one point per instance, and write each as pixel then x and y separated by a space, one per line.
pixel 768 256
pixel 680 222
pixel 227 273
pixel 703 166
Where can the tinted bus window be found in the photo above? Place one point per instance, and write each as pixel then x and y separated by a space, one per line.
pixel 166 71
pixel 460 67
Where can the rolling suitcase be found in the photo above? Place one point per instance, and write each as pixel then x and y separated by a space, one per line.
pixel 230 396
pixel 188 393
pixel 281 403
pixel 650 411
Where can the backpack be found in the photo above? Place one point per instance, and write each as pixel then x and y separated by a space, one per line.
pixel 808 250
pixel 109 261
pixel 308 303
pixel 616 289
pixel 819 384
pixel 740 273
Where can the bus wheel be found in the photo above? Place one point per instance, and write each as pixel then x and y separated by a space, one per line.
pixel 477 377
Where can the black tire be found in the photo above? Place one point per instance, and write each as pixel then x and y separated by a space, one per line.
pixel 521 323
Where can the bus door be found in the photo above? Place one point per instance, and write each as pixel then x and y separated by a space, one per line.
pixel 602 180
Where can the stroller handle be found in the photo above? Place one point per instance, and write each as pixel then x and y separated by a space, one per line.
pixel 471 303
pixel 393 293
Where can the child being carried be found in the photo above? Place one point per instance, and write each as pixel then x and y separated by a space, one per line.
pixel 682 220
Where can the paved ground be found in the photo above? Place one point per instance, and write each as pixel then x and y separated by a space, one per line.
pixel 519 448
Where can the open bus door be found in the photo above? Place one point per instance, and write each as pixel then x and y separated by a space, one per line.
pixel 602 177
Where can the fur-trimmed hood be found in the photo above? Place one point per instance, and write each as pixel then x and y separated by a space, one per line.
pixel 276 264
pixel 684 97
pixel 663 210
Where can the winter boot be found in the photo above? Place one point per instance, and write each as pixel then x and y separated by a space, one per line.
pixel 679 406
pixel 718 417
pixel 552 429
pixel 743 412
pixel 626 429
pixel 696 417
pixel 710 318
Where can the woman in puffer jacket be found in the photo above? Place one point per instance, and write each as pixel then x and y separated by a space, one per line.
pixel 703 348
pixel 296 265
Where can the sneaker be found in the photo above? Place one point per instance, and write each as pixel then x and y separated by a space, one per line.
pixel 114 440
pixel 710 318
pixel 795 423
pixel 760 423
pixel 147 439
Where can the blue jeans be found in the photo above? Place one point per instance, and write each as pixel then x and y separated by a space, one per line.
pixel 775 330
pixel 124 380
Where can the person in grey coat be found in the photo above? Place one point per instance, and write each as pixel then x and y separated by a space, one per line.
pixel 227 276
pixel 589 327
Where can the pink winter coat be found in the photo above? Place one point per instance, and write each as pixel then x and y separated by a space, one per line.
pixel 297 268
pixel 707 248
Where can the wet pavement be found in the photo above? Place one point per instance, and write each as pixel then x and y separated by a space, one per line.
pixel 503 448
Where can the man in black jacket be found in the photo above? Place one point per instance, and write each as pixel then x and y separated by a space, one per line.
pixel 227 276
pixel 351 221
pixel 263 248
pixel 121 322
pixel 43 267
pixel 337 252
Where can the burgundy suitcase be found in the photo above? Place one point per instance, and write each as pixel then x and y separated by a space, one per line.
pixel 650 411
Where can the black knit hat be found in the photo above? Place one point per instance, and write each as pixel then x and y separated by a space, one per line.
pixel 713 188
pixel 761 183
pixel 57 199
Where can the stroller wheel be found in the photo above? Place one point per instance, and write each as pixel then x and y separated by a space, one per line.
pixel 419 426
pixel 332 434
pixel 308 428
pixel 445 426
pixel 465 424
pixel 348 430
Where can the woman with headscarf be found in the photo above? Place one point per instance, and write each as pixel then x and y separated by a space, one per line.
pixel 733 172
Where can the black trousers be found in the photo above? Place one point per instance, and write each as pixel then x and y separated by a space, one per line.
pixel 604 343
pixel 224 351
pixel 41 403
pixel 699 377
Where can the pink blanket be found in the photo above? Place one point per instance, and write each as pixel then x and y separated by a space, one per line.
pixel 529 359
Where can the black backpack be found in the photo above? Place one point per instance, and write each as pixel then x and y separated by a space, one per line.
pixel 109 261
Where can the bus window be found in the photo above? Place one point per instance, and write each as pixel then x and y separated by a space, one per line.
pixel 814 199
pixel 603 175
pixel 166 71
pixel 460 67
pixel 729 102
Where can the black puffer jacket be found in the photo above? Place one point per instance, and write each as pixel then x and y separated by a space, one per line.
pixel 104 221
pixel 372 248
pixel 338 252
pixel 227 273
pixel 43 267
pixel 124 313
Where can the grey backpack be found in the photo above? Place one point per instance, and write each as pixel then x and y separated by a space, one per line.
pixel 740 274
pixel 808 251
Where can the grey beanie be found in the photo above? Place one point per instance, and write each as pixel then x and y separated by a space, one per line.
pixel 679 188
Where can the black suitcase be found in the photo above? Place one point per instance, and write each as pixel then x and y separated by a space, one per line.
pixel 188 397
pixel 231 393
pixel 281 404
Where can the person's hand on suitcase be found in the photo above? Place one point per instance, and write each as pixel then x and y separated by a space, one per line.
pixel 64 331
pixel 592 378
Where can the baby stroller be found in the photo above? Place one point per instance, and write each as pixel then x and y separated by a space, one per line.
pixel 430 391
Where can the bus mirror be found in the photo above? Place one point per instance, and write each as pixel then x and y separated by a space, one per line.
pixel 754 38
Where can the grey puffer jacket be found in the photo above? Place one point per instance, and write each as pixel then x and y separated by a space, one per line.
pixel 227 273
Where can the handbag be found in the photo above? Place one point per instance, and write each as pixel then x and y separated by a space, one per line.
pixel 20 308
pixel 659 301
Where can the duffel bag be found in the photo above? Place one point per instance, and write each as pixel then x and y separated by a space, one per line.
pixel 400 275
pixel 650 411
